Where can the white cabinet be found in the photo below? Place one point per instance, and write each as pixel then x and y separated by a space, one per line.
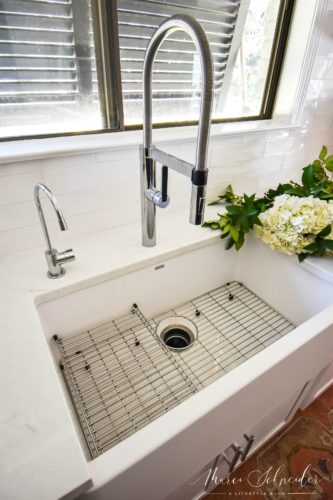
pixel 261 432
pixel 210 476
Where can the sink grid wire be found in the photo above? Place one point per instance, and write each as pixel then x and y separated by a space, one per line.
pixel 121 376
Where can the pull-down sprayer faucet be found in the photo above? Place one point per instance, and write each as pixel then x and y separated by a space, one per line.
pixel 150 196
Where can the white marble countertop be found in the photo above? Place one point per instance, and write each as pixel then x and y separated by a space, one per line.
pixel 41 455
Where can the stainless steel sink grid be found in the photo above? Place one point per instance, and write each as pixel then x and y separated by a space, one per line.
pixel 121 376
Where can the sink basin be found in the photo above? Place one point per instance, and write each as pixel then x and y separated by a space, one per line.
pixel 146 358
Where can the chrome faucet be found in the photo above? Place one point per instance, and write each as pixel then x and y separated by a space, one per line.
pixel 53 257
pixel 149 154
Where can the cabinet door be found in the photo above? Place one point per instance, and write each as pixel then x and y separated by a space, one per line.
pixel 263 430
pixel 277 418
pixel 197 486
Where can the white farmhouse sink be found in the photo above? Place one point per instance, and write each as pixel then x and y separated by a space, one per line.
pixel 189 404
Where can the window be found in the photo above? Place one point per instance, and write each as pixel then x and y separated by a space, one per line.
pixel 70 66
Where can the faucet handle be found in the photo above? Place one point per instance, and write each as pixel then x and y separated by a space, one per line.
pixel 160 198
pixel 65 256
pixel 55 259
pixel 164 186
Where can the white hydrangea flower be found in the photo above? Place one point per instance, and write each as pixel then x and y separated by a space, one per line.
pixel 292 222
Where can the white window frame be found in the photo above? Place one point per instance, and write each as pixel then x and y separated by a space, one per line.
pixel 309 18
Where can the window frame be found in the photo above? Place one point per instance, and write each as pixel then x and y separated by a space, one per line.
pixel 288 106
pixel 105 28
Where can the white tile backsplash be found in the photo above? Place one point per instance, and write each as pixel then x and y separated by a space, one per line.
pixel 117 155
pixel 18 188
pixel 98 190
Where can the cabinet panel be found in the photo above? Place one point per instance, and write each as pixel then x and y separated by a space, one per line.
pixel 263 430
pixel 274 420
pixel 197 486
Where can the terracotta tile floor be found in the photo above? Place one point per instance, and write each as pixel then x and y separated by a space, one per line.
pixel 306 443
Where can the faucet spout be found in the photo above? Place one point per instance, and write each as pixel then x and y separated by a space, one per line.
pixel 53 257
pixel 198 172
pixel 61 219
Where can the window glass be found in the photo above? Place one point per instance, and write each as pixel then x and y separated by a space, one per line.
pixel 176 75
pixel 246 91
pixel 241 57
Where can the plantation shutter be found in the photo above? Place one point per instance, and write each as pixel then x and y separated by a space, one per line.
pixel 176 69
pixel 45 60
pixel 37 52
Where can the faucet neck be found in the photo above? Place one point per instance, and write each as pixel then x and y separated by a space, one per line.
pixel 193 28
pixel 54 203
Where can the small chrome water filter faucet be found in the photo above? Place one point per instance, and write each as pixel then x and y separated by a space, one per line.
pixel 149 154
pixel 54 258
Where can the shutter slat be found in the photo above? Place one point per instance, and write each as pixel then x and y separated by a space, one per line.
pixel 35 9
pixel 166 9
pixel 42 23
pixel 13 50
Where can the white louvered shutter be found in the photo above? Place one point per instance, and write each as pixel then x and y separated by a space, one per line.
pixel 46 71
pixel 176 79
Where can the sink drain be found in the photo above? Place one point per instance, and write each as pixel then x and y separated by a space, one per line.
pixel 177 333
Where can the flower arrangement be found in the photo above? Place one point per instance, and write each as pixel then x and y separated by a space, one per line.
pixel 296 219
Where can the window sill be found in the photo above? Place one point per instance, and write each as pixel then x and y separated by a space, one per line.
pixel 30 149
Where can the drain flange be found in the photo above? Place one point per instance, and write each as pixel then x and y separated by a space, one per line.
pixel 177 333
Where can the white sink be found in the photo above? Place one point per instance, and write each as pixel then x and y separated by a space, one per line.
pixel 181 436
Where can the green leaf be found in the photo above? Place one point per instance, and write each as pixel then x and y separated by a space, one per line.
pixel 329 163
pixel 325 232
pixel 313 247
pixel 308 176
pixel 240 242
pixel 325 195
pixel 251 212
pixel 234 233
pixel 316 163
pixel 323 153
pixel 302 256
pixel 328 244
pixel 230 243
pixel 244 222
pixel 257 221
pixel 208 223
pixel 321 251
pixel 296 191
pixel 233 209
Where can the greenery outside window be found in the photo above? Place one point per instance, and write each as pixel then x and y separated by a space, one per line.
pixel 75 66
